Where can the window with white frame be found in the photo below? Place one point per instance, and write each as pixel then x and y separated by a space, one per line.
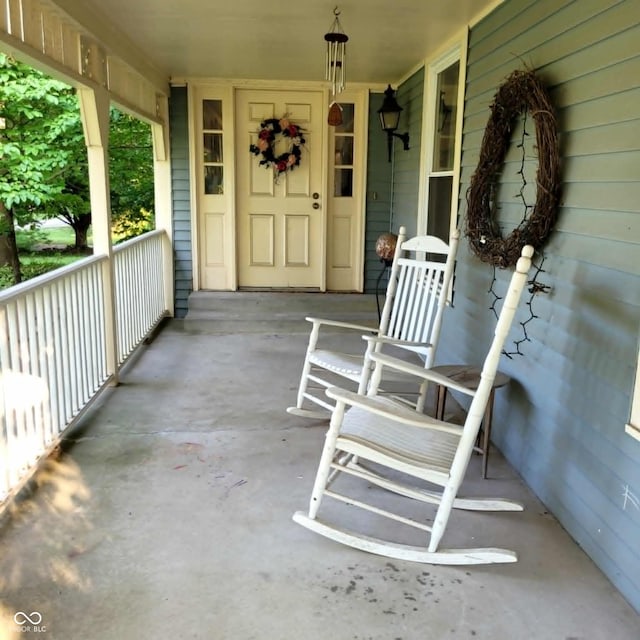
pixel 213 166
pixel 442 141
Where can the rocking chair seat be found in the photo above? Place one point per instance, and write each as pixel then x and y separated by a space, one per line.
pixel 428 453
pixel 349 365
pixel 344 364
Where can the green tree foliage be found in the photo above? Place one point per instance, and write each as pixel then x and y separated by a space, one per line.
pixel 130 178
pixel 130 175
pixel 43 161
pixel 36 114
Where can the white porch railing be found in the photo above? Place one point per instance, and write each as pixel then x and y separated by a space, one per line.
pixel 139 287
pixel 53 346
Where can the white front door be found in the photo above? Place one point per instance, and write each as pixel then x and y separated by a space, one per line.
pixel 280 224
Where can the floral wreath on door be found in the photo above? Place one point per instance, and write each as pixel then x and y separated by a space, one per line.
pixel 270 129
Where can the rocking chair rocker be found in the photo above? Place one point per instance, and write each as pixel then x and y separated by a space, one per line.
pixel 411 319
pixel 378 432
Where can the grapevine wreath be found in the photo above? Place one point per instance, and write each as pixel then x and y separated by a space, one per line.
pixel 269 130
pixel 521 92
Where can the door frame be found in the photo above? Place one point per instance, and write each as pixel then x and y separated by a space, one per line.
pixel 221 270
pixel 354 271
pixel 225 89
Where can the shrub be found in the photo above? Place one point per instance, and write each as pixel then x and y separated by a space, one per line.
pixel 132 224
pixel 32 267
pixel 31 270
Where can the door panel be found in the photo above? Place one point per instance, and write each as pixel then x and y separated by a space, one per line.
pixel 345 228
pixel 280 235
pixel 213 182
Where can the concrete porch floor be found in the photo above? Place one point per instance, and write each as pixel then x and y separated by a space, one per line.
pixel 168 515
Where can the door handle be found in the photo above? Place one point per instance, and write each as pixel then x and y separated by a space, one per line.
pixel 316 205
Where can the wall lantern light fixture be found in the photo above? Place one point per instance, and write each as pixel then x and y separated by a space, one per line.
pixel 389 114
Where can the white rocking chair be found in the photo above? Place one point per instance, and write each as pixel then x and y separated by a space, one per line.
pixel 411 319
pixel 400 440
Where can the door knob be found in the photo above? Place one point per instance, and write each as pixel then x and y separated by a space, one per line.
pixel 316 205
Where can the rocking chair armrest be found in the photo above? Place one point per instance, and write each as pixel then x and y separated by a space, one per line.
pixel 421 372
pixel 393 410
pixel 396 341
pixel 343 325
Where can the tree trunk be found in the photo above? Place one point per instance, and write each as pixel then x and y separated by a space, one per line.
pixel 8 246
pixel 81 226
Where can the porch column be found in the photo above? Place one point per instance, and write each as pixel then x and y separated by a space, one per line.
pixel 94 108
pixel 162 194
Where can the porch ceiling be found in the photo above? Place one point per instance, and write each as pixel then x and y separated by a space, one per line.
pixel 281 39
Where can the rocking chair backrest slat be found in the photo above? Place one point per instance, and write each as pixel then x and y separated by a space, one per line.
pixel 392 287
pixel 416 300
pixel 417 292
pixel 433 283
pixel 399 303
pixel 413 302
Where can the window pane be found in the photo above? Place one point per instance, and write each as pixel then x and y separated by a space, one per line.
pixel 212 114
pixel 347 119
pixel 446 109
pixel 439 206
pixel 343 187
pixel 213 180
pixel 212 147
pixel 343 150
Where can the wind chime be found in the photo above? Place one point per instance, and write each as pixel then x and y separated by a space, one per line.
pixel 336 41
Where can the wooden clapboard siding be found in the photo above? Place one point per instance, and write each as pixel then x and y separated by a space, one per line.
pixel 183 277
pixel 390 210
pixel 561 421
pixel 547 31
pixel 378 202
pixel 406 177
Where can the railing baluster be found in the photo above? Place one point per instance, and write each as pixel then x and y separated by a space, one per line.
pixel 5 360
pixel 86 337
pixel 50 364
pixel 102 331
pixel 53 359
pixel 22 426
pixel 71 373
pixel 63 354
pixel 94 336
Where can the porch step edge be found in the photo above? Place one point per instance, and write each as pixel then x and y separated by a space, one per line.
pixel 214 300
pixel 274 311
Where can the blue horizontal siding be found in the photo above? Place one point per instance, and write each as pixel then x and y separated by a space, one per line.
pixel 183 279
pixel 378 203
pixel 561 420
